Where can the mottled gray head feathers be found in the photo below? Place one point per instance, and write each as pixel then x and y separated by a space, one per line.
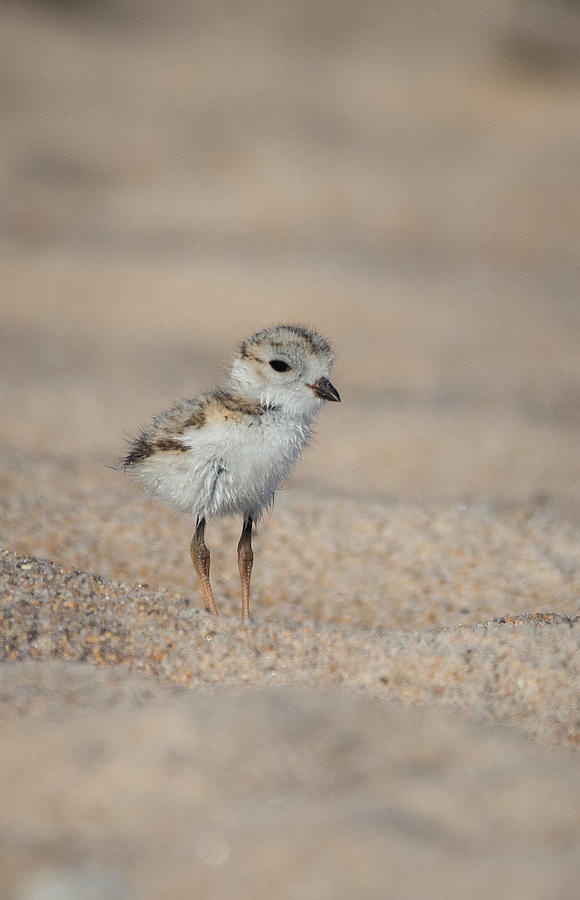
pixel 286 337
pixel 285 365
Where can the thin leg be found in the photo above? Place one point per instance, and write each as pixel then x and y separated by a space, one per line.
pixel 200 560
pixel 245 562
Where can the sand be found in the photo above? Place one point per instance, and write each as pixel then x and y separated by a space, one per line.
pixel 401 716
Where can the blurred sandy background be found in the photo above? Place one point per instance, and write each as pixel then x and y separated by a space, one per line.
pixel 177 176
pixel 405 178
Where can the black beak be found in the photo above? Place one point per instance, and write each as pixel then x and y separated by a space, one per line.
pixel 325 390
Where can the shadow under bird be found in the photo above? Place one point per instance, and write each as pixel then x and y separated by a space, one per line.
pixel 226 451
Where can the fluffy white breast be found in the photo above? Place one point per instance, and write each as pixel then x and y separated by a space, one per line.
pixel 230 467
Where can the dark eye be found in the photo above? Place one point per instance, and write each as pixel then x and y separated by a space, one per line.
pixel 279 365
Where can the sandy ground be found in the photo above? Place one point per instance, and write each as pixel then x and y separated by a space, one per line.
pixel 401 718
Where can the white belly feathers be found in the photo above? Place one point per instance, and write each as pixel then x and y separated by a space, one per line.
pixel 225 470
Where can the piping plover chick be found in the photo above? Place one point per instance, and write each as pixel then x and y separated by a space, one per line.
pixel 226 452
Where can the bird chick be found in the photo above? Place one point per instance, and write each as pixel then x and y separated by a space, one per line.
pixel 226 451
